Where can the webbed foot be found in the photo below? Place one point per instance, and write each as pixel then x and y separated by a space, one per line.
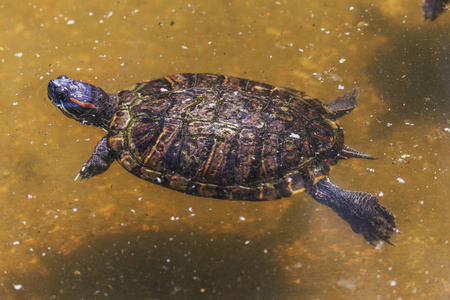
pixel 361 210
pixel 367 216
pixel 99 162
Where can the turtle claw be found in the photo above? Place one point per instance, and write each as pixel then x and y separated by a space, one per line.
pixel 390 243
pixel 76 177
pixel 82 173
pixel 376 222
pixel 88 170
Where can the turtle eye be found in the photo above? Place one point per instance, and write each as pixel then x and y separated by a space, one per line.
pixel 61 93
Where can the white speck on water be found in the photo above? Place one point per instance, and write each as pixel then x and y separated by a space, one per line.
pixel 340 87
pixel 15 103
pixel 140 199
pixel 400 180
pixel 326 31
pixel 24 222
pixel 405 155
pixel 265 251
pixel 75 209
pixel 17 286
pixel 70 22
pixel 184 47
pixel 381 194
pixel 56 216
pixel 421 202
pixel 393 283
pixel 348 284
pixel 30 196
pixel 447 129
pixel 247 242
pixel 18 54
pixel 294 135
pixel 351 8
pixel 297 266
pixel 242 218
pixel 16 243
pixel 342 60
pixel 379 246
pixel 190 209
pixel 133 211
pixel 389 124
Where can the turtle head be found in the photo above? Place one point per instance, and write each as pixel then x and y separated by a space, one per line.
pixel 81 101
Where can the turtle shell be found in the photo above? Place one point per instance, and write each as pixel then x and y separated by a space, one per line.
pixel 224 137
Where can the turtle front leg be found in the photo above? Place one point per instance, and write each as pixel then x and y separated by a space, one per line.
pixel 361 210
pixel 99 162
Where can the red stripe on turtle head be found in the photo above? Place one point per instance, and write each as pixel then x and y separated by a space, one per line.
pixel 82 104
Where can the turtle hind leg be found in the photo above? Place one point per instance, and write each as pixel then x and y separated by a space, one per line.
pixel 361 210
pixel 343 105
pixel 349 152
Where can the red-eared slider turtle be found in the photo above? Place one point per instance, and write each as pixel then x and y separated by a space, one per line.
pixel 224 137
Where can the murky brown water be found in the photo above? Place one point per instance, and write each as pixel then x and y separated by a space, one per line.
pixel 118 237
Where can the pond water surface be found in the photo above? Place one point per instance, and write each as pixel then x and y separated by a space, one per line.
pixel 118 237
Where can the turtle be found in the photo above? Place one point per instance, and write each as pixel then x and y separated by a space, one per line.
pixel 225 137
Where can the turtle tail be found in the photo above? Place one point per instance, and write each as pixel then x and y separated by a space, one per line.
pixel 349 152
